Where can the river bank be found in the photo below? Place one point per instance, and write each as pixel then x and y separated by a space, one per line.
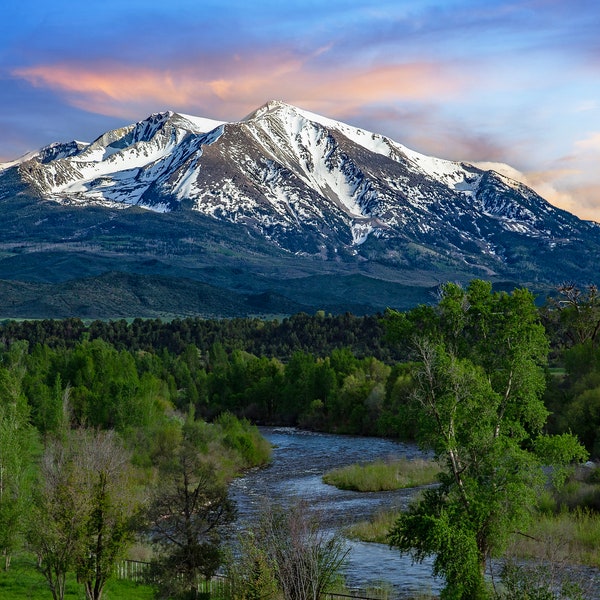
pixel 299 460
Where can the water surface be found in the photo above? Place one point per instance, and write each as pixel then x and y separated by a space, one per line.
pixel 299 460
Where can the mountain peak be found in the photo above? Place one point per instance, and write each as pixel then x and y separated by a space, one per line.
pixel 284 193
pixel 269 107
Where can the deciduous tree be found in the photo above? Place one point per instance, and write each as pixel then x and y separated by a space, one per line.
pixel 83 510
pixel 289 547
pixel 186 517
pixel 478 385
pixel 18 445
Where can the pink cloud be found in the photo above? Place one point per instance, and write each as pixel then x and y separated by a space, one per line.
pixel 241 84
pixel 116 90
pixel 565 186
pixel 582 200
pixel 230 88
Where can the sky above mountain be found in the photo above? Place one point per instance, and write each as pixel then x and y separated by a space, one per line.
pixel 514 82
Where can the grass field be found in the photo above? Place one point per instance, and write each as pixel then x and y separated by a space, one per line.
pixel 380 476
pixel 23 582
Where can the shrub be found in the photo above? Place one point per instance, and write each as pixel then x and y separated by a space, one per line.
pixel 245 439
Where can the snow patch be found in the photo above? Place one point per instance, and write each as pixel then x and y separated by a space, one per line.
pixel 201 124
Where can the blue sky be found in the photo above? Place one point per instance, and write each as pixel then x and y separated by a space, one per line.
pixel 480 81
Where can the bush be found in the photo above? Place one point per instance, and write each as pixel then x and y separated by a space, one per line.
pixel 245 439
pixel 288 553
pixel 581 491
pixel 547 581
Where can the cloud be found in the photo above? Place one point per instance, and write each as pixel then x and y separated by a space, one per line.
pixel 433 106
pixel 111 89
pixel 582 200
pixel 590 143
pixel 579 186
pixel 241 83
pixel 562 186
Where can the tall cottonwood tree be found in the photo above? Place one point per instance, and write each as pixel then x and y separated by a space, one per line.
pixel 83 510
pixel 478 384
pixel 107 530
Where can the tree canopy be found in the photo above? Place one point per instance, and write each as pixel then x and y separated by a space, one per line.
pixel 478 385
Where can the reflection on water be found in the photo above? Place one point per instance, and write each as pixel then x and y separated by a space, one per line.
pixel 299 460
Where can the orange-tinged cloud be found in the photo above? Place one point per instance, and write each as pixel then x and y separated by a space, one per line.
pixel 582 200
pixel 112 90
pixel 415 81
pixel 562 186
pixel 242 83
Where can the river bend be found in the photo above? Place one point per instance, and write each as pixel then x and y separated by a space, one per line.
pixel 299 460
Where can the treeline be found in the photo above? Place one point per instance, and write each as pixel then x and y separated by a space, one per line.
pixel 317 334
pixel 127 391
pixel 335 373
pixel 323 372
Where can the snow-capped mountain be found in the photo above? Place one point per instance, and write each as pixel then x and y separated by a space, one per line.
pixel 289 174
pixel 311 186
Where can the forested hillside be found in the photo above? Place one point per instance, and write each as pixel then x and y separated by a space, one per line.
pixel 330 372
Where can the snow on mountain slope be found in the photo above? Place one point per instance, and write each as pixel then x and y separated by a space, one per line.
pixel 302 180
pixel 119 166
pixel 444 171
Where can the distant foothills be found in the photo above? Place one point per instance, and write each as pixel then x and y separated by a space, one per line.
pixel 284 211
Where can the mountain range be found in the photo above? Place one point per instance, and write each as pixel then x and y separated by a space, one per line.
pixel 282 211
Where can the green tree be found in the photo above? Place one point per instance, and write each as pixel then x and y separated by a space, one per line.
pixel 57 517
pixel 478 385
pixel 18 445
pixel 83 510
pixel 574 399
pixel 298 387
pixel 186 515
pixel 359 401
pixel 573 315
pixel 107 529
pixel 397 418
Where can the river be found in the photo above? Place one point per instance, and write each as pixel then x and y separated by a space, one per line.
pixel 299 460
